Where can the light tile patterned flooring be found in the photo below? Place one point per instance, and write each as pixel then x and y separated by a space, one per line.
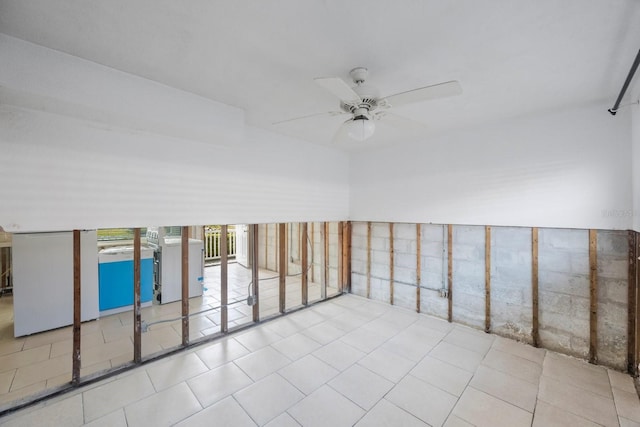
pixel 351 361
pixel 42 361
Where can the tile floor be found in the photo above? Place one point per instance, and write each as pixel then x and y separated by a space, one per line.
pixel 351 361
pixel 42 361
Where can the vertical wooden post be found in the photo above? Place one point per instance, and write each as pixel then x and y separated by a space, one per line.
pixel 255 271
pixel 77 307
pixel 137 312
pixel 266 246
pixel 282 268
pixel 304 280
pixel 535 331
pixel 636 281
pixel 185 285
pixel 632 361
pixel 346 256
pixel 325 260
pixel 418 265
pixel 313 251
pixel 593 294
pixel 224 279
pixel 391 259
pixel 450 271
pixel 487 278
pixel 369 259
pixel 340 257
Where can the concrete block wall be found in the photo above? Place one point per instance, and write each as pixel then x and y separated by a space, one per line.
pixel 563 271
pixel 511 296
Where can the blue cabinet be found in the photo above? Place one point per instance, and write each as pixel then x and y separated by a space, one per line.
pixel 115 277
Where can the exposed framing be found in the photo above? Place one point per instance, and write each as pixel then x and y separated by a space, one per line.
pixel 224 279
pixel 369 259
pixel 535 331
pixel 391 262
pixel 325 260
pixel 304 279
pixel 137 312
pixel 487 278
pixel 77 306
pixel 418 266
pixel 340 257
pixel 450 272
pixel 185 285
pixel 593 296
pixel 282 267
pixel 255 279
pixel 632 349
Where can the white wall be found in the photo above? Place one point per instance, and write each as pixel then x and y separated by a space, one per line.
pixel 563 169
pixel 85 146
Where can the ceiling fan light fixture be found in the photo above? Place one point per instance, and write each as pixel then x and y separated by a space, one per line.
pixel 361 128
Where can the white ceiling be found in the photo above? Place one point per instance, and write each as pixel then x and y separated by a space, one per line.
pixel 512 57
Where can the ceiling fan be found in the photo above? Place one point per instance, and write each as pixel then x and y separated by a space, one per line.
pixel 365 106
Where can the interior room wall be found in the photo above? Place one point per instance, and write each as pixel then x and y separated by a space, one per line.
pixel 85 146
pixel 566 168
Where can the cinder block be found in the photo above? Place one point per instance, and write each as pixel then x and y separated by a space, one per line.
pixel 572 240
pixel 380 290
pixel 517 238
pixel 358 266
pixel 404 246
pixel 570 284
pixel 612 243
pixel 381 257
pixel 380 244
pixel 359 254
pixel 613 267
pixel 472 235
pixel 359 242
pixel 359 229
pixel 380 271
pixel 433 249
pixel 380 229
pixel 405 231
pixel 558 261
pixel 405 275
pixel 468 309
pixel 405 260
pixel 431 303
pixel 468 253
pixel 404 296
pixel 358 284
pixel 433 232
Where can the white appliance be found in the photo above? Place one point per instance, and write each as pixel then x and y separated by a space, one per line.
pixel 43 280
pixel 168 264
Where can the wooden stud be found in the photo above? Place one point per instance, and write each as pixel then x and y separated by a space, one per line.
pixel 487 279
pixel 593 296
pixel 391 262
pixel 632 361
pixel 224 279
pixel 418 265
pixel 340 257
pixel 255 279
pixel 185 285
pixel 450 272
pixel 346 256
pixel 368 259
pixel 266 246
pixel 304 280
pixel 325 260
pixel 637 306
pixel 137 312
pixel 282 268
pixel 77 307
pixel 312 239
pixel 535 331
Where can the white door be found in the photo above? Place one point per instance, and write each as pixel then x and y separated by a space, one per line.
pixel 242 245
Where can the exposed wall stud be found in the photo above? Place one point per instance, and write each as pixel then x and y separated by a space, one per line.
pixel 255 279
pixel 632 361
pixel 325 260
pixel 77 307
pixel 340 257
pixel 266 246
pixel 450 271
pixel 224 279
pixel 346 255
pixel 593 294
pixel 535 331
pixel 391 262
pixel 418 265
pixel 369 259
pixel 185 285
pixel 312 239
pixel 282 268
pixel 304 280
pixel 487 278
pixel 637 304
pixel 137 312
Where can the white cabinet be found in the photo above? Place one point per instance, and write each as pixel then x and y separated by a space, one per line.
pixel 43 280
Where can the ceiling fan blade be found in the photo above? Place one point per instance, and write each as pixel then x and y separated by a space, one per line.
pixel 440 90
pixel 339 88
pixel 328 114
